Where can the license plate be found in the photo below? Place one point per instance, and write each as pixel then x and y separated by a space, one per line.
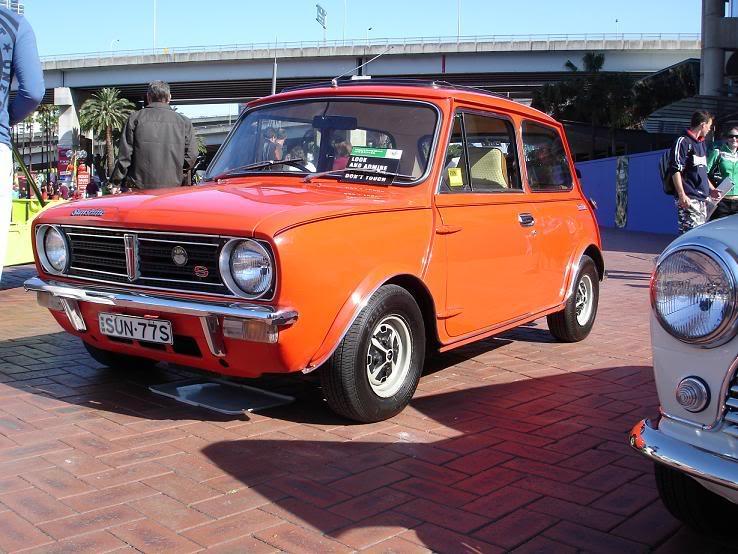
pixel 136 328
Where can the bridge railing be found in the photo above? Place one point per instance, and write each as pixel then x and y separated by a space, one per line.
pixel 370 42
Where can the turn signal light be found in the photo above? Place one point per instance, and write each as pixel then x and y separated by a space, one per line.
pixel 254 331
pixel 693 394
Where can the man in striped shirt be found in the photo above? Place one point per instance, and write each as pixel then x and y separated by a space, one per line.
pixel 688 162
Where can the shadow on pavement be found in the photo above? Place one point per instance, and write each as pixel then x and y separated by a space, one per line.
pixel 617 240
pixel 14 276
pixel 339 488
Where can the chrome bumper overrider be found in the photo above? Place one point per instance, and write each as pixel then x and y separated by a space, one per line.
pixel 654 444
pixel 209 312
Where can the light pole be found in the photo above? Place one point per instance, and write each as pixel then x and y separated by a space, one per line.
pixel 344 21
pixel 458 20
pixel 155 10
pixel 617 27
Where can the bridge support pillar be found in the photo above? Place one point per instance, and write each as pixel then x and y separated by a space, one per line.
pixel 69 101
pixel 713 47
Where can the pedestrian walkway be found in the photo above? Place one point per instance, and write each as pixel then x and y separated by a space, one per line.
pixel 517 443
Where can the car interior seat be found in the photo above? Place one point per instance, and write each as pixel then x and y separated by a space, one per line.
pixel 488 168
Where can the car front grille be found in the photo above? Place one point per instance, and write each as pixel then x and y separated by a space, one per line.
pixel 730 418
pixel 146 259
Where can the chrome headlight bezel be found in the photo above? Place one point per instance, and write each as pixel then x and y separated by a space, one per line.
pixel 41 233
pixel 722 255
pixel 224 265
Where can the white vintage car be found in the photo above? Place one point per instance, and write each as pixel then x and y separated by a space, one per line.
pixel 694 333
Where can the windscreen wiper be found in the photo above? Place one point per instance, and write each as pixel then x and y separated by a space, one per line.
pixel 338 172
pixel 297 162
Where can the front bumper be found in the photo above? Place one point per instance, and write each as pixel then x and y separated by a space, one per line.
pixel 646 438
pixel 212 314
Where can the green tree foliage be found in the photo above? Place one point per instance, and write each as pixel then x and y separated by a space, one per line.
pixel 104 114
pixel 664 88
pixel 589 95
pixel 611 99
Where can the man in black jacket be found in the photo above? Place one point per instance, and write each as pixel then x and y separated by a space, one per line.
pixel 157 144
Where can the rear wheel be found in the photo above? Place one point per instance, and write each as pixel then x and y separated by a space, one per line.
pixel 575 321
pixel 690 502
pixel 373 374
pixel 115 360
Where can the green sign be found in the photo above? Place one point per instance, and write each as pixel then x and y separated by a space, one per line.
pixel 376 152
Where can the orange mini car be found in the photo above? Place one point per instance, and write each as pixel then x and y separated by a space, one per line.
pixel 348 228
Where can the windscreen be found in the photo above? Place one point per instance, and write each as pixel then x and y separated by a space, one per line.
pixel 320 135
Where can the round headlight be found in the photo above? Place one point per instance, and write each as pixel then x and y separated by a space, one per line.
pixel 693 295
pixel 55 249
pixel 250 267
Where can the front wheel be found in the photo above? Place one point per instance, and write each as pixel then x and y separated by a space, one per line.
pixel 687 500
pixel 374 371
pixel 575 321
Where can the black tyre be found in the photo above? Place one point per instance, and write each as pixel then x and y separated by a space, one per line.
pixel 373 373
pixel 575 321
pixel 690 502
pixel 114 360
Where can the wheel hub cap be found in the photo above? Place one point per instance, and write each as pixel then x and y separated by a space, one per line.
pixel 389 355
pixel 584 300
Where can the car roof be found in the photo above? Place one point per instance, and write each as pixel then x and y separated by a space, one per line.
pixel 403 88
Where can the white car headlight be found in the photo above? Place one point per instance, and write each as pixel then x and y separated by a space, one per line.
pixel 693 294
pixel 247 266
pixel 52 249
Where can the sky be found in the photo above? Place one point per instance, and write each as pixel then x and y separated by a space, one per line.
pixel 86 26
pixel 74 26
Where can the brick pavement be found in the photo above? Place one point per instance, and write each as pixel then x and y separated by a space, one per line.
pixel 512 444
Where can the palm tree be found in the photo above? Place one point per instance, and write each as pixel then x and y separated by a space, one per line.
pixel 48 116
pixel 105 112
pixel 590 95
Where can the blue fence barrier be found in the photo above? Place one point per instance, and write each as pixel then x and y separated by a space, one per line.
pixel 646 207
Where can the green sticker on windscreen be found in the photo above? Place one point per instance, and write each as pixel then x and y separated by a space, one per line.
pixel 369 152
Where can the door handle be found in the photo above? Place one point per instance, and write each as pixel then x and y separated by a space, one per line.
pixel 526 220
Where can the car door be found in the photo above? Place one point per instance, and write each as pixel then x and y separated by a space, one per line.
pixel 486 225
pixel 559 209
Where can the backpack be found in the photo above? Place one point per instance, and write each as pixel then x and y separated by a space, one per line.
pixel 665 173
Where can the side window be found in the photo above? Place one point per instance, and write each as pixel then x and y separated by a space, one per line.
pixel 491 153
pixel 454 178
pixel 545 158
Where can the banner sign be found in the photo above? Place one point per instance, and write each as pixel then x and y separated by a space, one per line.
pixel 372 161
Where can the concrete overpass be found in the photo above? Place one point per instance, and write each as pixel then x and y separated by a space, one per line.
pixel 512 65
pixel 507 64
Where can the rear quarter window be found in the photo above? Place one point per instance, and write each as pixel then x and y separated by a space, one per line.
pixel 545 158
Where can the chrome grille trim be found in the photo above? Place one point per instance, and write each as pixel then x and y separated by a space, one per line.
pixel 99 271
pixel 145 267
pixel 145 239
pixel 729 407
pixel 181 281
pixel 133 267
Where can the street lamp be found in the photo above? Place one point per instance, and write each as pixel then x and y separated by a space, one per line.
pixel 155 26
pixel 458 20
pixel 113 44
